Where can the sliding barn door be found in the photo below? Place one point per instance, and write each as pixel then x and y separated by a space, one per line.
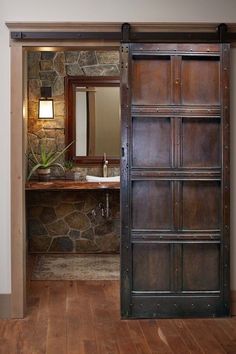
pixel 175 180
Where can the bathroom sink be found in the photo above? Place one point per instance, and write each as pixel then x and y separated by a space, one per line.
pixel 102 179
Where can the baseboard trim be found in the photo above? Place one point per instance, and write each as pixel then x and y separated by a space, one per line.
pixel 5 306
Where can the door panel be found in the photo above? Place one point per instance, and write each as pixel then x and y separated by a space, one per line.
pixel 201 267
pixel 174 180
pixel 201 142
pixel 151 135
pixel 151 81
pixel 152 205
pixel 151 267
pixel 200 80
pixel 201 205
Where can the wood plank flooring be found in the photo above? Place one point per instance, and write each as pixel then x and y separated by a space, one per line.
pixel 82 317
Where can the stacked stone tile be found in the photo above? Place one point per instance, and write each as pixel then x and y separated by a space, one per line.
pixel 67 222
pixel 72 222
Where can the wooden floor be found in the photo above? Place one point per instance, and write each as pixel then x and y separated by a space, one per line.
pixel 81 317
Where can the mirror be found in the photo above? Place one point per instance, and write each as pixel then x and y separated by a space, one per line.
pixel 93 118
pixel 97 121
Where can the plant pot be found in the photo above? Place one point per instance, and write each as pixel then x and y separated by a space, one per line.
pixel 44 174
pixel 72 175
pixel 69 175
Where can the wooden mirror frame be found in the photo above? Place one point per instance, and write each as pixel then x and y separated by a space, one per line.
pixel 71 82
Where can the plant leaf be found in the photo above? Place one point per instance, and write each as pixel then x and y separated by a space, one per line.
pixel 59 154
pixel 58 165
pixel 33 170
pixel 51 154
pixel 32 152
pixel 43 154
pixel 30 158
pixel 52 158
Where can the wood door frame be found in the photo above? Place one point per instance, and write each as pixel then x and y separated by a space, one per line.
pixel 17 48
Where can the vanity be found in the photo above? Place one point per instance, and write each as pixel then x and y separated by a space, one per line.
pixel 62 184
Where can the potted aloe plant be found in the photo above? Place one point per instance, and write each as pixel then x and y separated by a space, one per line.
pixel 46 160
pixel 68 166
pixel 70 170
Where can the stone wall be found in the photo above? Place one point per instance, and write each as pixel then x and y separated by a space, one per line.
pixel 67 221
pixel 50 69
pixel 72 221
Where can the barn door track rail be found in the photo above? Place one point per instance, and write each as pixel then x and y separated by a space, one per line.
pixel 126 34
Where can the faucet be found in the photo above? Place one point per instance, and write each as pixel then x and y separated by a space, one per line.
pixel 105 165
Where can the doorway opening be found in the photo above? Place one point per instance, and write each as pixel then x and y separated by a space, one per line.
pixel 72 223
pixel 72 233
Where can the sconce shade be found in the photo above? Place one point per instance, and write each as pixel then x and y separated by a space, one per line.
pixel 46 110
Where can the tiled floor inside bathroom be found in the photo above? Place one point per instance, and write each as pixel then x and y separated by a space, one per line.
pixel 75 267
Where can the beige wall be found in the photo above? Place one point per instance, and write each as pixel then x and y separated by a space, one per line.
pixel 103 10
pixel 107 120
pixel 122 10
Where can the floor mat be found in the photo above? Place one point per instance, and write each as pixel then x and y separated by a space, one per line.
pixel 76 267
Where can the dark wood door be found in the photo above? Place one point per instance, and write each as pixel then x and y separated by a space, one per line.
pixel 175 180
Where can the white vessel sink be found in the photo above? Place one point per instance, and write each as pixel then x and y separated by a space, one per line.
pixel 102 179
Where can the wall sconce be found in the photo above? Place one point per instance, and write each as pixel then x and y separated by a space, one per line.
pixel 46 109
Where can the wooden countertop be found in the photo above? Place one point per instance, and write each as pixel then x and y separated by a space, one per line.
pixel 60 184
